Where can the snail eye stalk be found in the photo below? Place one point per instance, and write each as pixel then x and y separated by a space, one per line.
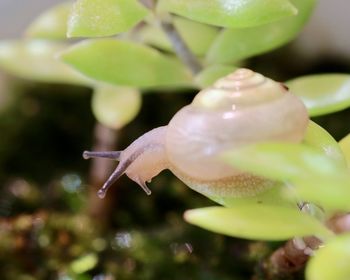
pixel 119 171
pixel 111 155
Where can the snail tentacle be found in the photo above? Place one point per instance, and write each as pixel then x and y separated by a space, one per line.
pixel 140 161
pixel 119 171
pixel 111 155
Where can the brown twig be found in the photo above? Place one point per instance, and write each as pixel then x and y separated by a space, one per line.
pixel 292 256
pixel 339 223
pixel 105 139
pixel 148 3
pixel 179 45
pixel 181 49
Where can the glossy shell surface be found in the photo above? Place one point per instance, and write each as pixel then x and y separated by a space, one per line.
pixel 240 109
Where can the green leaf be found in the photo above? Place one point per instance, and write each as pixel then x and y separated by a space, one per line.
pixel 94 18
pixel 84 263
pixel 233 45
pixel 283 161
pixel 125 63
pixel 114 106
pixel 230 13
pixel 333 194
pixel 35 60
pixel 198 37
pixel 317 177
pixel 319 138
pixel 345 146
pixel 209 75
pixel 153 35
pixel 332 261
pixel 263 222
pixel 52 24
pixel 277 195
pixel 323 94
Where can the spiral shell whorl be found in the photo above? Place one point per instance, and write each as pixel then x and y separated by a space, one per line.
pixel 239 80
pixel 240 89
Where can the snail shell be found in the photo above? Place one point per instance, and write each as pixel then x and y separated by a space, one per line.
pixel 240 109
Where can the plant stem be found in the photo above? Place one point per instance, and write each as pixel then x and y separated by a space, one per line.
pixel 180 47
pixel 148 3
pixel 105 139
pixel 291 258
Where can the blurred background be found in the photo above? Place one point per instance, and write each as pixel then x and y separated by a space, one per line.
pixel 53 226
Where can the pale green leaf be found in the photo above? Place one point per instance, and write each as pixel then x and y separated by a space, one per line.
pixel 332 261
pixel 35 60
pixel 319 138
pixel 345 146
pixel 52 24
pixel 263 222
pixel 283 161
pixel 230 13
pixel 332 194
pixel 322 94
pixel 153 35
pixel 317 177
pixel 125 63
pixel 277 195
pixel 115 106
pixel 236 44
pixel 95 18
pixel 84 263
pixel 197 36
pixel 209 75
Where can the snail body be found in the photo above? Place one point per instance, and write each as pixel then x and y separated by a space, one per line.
pixel 239 109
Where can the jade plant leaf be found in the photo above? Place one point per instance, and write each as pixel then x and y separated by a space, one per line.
pixel 95 18
pixel 125 63
pixel 345 146
pixel 262 222
pixel 36 60
pixel 283 161
pixel 212 73
pixel 323 94
pixel 230 13
pixel 315 176
pixel 277 195
pixel 233 45
pixel 152 34
pixel 115 106
pixel 333 194
pixel 52 24
pixel 198 37
pixel 332 261
pixel 319 138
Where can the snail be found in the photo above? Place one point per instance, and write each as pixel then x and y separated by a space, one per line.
pixel 242 108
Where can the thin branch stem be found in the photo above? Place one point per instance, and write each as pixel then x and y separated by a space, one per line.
pixel 292 256
pixel 148 3
pixel 105 139
pixel 181 49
